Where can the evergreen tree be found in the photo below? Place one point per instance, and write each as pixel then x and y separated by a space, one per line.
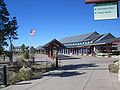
pixel 3 20
pixel 8 27
pixel 23 47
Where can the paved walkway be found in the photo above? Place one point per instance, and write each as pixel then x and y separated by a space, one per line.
pixel 86 73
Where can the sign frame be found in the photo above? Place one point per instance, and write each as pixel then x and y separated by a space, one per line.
pixel 106 11
pixel 99 1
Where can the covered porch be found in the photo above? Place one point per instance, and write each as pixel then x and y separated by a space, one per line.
pixel 52 48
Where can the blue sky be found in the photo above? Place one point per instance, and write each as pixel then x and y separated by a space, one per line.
pixel 56 19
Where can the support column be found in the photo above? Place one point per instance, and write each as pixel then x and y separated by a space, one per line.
pixel 81 51
pixel 94 48
pixel 72 51
pixel 90 50
pixel 77 50
pixel 63 50
pixel 68 51
pixel 86 50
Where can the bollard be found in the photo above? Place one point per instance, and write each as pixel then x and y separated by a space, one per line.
pixel 33 59
pixel 4 76
pixel 56 62
pixel 46 63
pixel 119 69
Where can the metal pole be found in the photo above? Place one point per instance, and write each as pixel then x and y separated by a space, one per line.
pixel 30 46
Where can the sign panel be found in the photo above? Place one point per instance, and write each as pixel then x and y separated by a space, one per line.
pixel 105 11
pixel 99 1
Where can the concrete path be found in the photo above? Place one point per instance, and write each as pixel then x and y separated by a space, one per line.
pixel 76 73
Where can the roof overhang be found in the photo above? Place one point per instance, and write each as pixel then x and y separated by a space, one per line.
pixel 97 44
pixel 52 43
pixel 87 45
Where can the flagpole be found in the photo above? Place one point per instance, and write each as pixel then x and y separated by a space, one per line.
pixel 32 33
pixel 30 45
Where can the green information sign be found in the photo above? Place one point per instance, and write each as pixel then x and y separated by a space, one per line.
pixel 105 11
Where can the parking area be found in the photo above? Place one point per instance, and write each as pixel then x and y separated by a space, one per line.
pixel 75 73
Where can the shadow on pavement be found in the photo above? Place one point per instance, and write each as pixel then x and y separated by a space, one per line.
pixel 60 73
pixel 64 74
pixel 77 66
pixel 23 83
pixel 64 57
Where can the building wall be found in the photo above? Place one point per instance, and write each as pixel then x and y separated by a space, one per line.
pixel 118 47
pixel 86 46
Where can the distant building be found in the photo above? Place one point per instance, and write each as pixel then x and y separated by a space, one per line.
pixel 19 49
pixel 90 44
pixel 40 49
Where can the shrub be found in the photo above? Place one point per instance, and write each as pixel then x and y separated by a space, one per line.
pixel 21 63
pixel 113 68
pixel 26 55
pixel 11 77
pixel 25 73
pixel 53 65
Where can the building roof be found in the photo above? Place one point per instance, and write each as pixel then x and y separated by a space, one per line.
pixel 104 39
pixel 110 40
pixel 52 43
pixel 77 38
pixel 92 38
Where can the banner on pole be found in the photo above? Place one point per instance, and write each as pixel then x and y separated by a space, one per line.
pixel 32 32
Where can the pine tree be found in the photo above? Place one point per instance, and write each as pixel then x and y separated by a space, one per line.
pixel 23 47
pixel 3 20
pixel 8 27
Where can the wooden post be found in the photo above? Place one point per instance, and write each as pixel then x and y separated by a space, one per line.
pixel 56 62
pixel 56 58
pixel 33 59
pixel 4 76
pixel 119 69
pixel 82 51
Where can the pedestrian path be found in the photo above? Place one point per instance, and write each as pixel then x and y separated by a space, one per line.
pixel 75 74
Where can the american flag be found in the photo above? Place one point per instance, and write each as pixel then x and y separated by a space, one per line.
pixel 32 32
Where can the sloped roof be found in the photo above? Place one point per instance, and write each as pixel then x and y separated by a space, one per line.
pixel 95 38
pixel 52 43
pixel 110 40
pixel 77 38
pixel 103 36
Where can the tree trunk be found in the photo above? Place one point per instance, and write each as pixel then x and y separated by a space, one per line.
pixel 11 51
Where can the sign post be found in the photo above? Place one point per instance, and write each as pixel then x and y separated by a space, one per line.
pixel 119 69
